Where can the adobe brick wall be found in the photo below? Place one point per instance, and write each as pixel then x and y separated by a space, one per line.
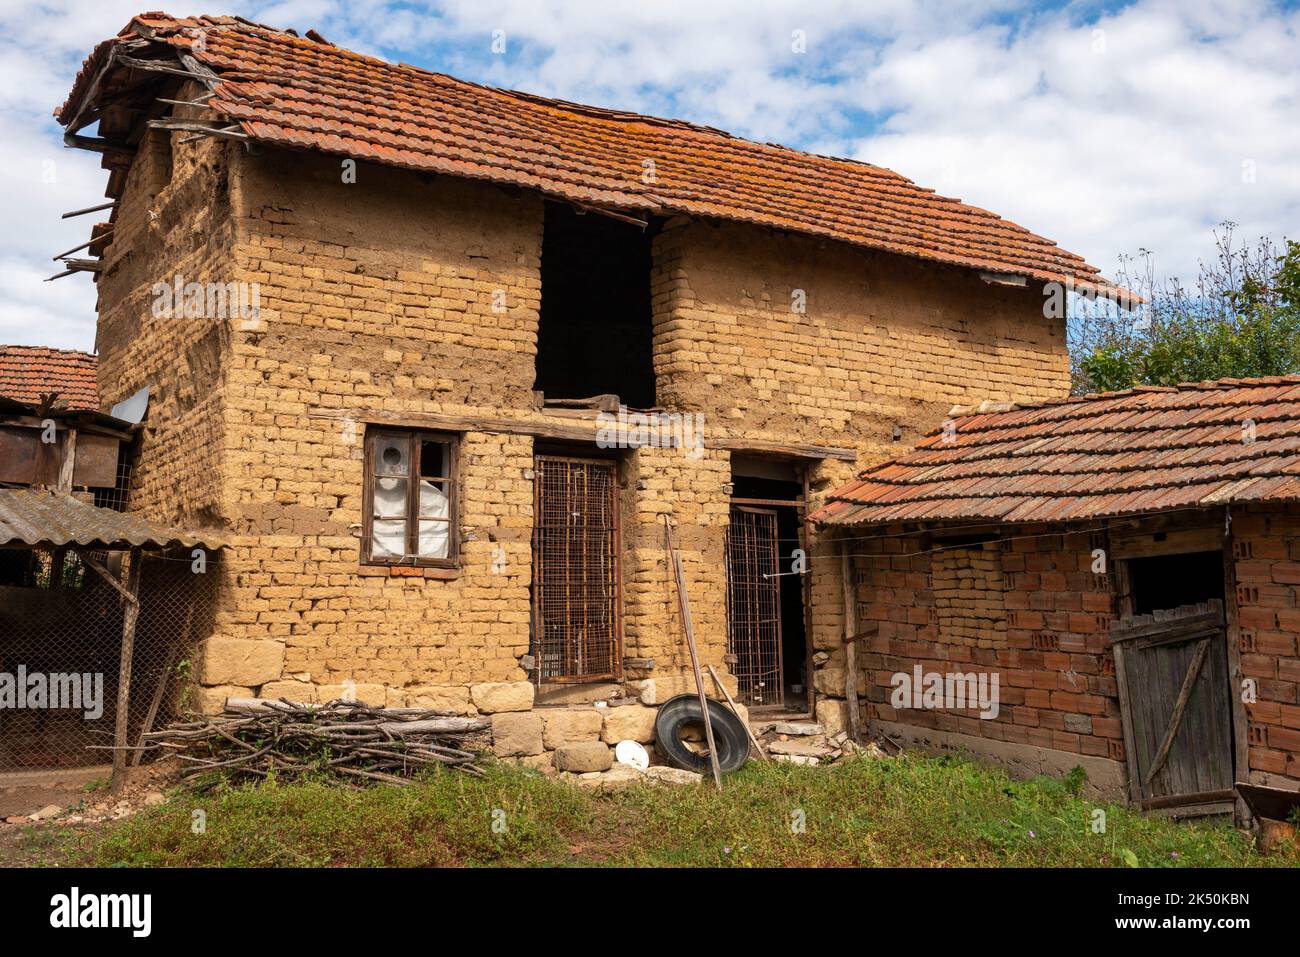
pixel 1266 552
pixel 884 341
pixel 1028 608
pixel 173 218
pixel 377 297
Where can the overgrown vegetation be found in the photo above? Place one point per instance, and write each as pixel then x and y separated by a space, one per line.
pixel 910 811
pixel 1240 319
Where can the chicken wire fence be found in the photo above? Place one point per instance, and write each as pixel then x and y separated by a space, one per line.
pixel 61 627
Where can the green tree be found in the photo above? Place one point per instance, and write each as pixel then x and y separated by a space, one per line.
pixel 1241 320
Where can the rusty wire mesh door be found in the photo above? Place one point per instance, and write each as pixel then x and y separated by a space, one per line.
pixel 576 604
pixel 754 605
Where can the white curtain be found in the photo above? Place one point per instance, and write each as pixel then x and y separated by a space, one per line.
pixel 435 537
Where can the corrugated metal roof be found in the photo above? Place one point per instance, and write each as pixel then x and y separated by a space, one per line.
pixel 1148 449
pixel 38 517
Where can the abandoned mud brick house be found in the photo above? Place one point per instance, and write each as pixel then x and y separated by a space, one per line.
pixel 406 441
pixel 1127 564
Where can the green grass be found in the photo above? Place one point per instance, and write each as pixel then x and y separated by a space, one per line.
pixel 911 811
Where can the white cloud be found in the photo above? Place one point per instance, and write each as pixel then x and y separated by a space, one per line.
pixel 1105 132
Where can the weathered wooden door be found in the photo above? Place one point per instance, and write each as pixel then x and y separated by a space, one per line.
pixel 754 605
pixel 577 620
pixel 1172 668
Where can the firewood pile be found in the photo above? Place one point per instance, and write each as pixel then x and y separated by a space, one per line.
pixel 345 740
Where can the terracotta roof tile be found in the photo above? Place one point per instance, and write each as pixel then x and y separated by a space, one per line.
pixel 28 372
pixel 294 92
pixel 1197 444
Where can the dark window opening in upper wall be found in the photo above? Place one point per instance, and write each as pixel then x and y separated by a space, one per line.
pixel 1170 581
pixel 595 335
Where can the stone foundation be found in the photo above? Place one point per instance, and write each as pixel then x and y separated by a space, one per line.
pixel 1107 779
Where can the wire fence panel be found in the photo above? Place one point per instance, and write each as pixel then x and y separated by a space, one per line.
pixel 60 651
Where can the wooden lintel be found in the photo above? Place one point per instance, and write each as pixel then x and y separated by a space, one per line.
pixel 1174 541
pixel 450 422
pixel 735 444
pixel 463 423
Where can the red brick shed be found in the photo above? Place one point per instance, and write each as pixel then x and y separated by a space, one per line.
pixel 1128 567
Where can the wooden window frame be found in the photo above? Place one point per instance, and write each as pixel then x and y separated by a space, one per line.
pixel 413 437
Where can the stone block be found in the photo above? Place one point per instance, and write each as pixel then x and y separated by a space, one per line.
pixel 213 700
pixel 631 722
pixel 516 733
pixel 247 662
pixel 439 698
pixel 493 697
pixel 570 725
pixel 583 756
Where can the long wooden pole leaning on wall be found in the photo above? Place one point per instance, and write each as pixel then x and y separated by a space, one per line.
pixel 749 732
pixel 130 615
pixel 850 640
pixel 684 604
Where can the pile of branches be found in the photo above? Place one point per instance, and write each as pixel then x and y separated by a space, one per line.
pixel 255 738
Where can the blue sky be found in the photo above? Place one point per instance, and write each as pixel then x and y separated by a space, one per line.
pixel 1109 127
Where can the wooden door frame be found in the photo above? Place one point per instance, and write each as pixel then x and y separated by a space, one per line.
pixel 1189 627
pixel 802 511
pixel 769 507
pixel 616 462
pixel 1166 538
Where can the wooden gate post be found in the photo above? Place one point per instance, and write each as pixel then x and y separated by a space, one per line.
pixel 130 615
pixel 850 641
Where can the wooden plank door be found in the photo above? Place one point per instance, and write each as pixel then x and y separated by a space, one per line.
pixel 754 606
pixel 577 614
pixel 1173 672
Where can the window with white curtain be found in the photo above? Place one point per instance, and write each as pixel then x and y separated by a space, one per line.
pixel 410 498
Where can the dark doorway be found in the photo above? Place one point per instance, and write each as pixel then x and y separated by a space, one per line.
pixel 1171 581
pixel 595 333
pixel 767 623
pixel 1175 694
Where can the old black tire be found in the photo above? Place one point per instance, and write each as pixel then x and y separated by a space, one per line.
pixel 729 737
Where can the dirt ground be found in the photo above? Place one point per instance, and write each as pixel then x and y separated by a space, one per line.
pixel 23 794
pixel 83 800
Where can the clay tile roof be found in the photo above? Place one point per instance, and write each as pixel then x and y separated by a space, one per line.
pixel 297 92
pixel 1148 449
pixel 28 372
